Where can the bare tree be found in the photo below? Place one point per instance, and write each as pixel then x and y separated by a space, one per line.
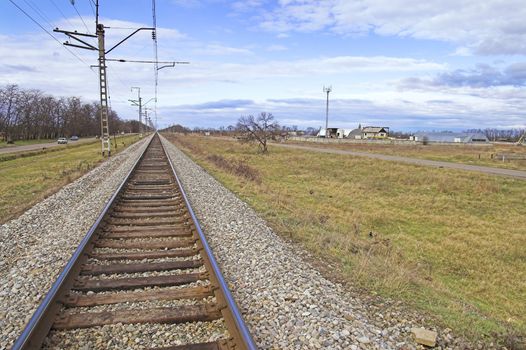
pixel 32 114
pixel 311 131
pixel 258 129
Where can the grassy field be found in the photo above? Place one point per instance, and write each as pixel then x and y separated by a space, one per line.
pixel 4 144
pixel 451 244
pixel 468 154
pixel 28 178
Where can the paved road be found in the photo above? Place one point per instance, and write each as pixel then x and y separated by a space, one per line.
pixel 39 146
pixel 519 174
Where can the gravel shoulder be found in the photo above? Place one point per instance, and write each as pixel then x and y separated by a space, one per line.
pixel 35 246
pixel 286 302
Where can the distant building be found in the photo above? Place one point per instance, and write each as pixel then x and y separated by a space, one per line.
pixel 368 132
pixel 375 132
pixel 355 134
pixel 334 133
pixel 449 137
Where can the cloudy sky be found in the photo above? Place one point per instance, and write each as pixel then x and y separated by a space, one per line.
pixel 406 64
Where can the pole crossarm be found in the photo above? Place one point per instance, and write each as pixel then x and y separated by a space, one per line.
pixel 73 35
pixel 129 36
pixel 89 46
pixel 67 32
pixel 67 43
pixel 150 100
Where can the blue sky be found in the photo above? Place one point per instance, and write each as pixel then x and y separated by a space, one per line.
pixel 406 64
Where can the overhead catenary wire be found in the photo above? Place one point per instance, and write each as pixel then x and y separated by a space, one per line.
pixel 92 8
pixel 62 13
pixel 127 28
pixel 145 61
pixel 38 11
pixel 48 33
pixel 78 13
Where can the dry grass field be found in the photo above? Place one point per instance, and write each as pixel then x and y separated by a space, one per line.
pixel 26 179
pixel 486 155
pixel 451 244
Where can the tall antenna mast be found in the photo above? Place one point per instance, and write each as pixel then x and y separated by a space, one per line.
pixel 327 90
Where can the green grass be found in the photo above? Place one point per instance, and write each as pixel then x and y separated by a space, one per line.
pixel 4 144
pixel 452 244
pixel 467 154
pixel 28 178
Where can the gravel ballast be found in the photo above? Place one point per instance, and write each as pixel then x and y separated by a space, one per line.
pixel 35 246
pixel 286 302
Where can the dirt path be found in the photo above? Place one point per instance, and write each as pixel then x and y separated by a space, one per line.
pixel 519 174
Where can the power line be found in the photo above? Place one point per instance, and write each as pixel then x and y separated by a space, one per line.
pixel 39 12
pixel 127 28
pixel 48 33
pixel 92 8
pixel 146 61
pixel 78 13
pixel 62 13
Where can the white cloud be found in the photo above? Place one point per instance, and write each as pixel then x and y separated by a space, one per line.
pixel 487 27
pixel 366 88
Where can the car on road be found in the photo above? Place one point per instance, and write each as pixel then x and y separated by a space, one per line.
pixel 62 140
pixel 74 138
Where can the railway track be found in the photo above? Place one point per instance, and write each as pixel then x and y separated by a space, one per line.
pixel 145 247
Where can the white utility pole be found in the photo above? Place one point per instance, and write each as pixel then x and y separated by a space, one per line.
pixel 327 90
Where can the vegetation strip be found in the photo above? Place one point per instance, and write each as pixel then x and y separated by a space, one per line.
pixel 417 161
pixel 497 155
pixel 389 227
pixel 27 180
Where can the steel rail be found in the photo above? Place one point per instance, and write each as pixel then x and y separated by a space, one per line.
pixel 37 328
pixel 231 303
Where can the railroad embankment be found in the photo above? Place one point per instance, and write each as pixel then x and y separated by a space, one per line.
pixel 37 244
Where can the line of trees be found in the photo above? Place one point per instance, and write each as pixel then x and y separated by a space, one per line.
pixel 499 134
pixel 31 114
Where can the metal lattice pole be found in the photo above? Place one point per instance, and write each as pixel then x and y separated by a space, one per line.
pixel 103 80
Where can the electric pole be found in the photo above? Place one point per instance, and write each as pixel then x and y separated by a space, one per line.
pixel 103 79
pixel 103 82
pixel 138 102
pixel 327 90
pixel 147 118
pixel 142 106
